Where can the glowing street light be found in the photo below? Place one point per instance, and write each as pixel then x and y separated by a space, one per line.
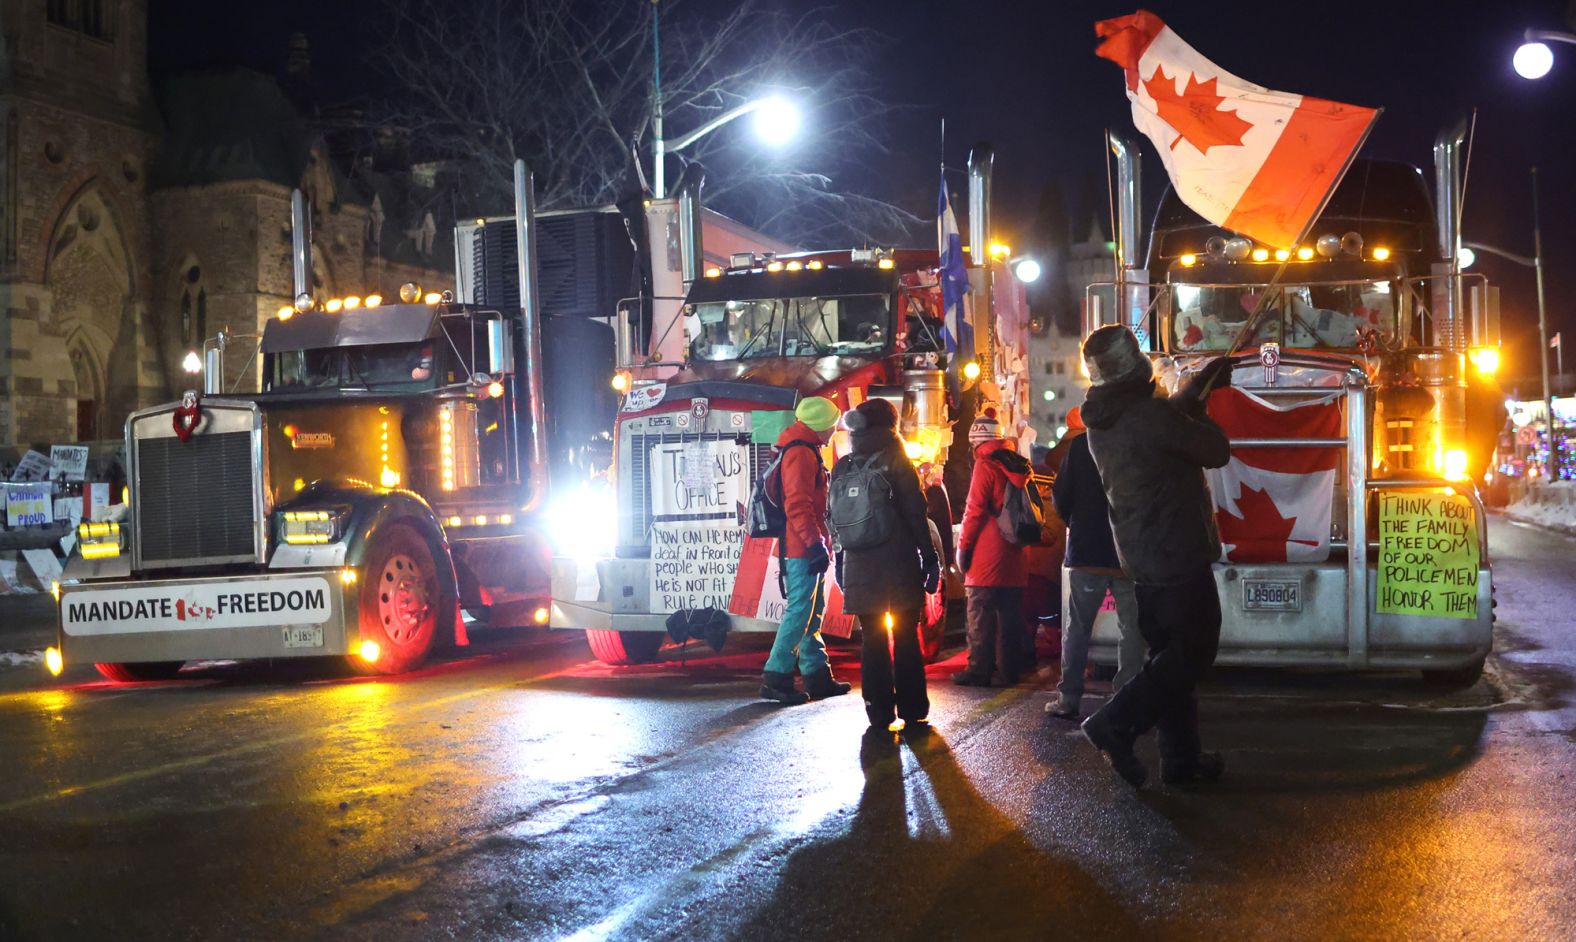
pixel 192 363
pixel 1533 58
pixel 776 122
pixel 1027 269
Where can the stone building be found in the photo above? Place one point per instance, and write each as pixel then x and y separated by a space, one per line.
pixel 1055 365
pixel 138 218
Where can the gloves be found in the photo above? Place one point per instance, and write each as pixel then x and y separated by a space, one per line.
pixel 965 556
pixel 819 561
pixel 840 583
pixel 930 564
pixel 1216 374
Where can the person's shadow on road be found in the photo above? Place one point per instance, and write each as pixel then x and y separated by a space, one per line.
pixel 927 857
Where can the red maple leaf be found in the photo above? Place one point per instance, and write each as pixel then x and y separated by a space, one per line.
pixel 1195 114
pixel 1260 535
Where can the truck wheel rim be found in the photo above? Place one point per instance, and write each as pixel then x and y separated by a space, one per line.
pixel 402 599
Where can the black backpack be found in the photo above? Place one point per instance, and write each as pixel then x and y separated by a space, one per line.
pixel 766 519
pixel 860 507
pixel 1022 519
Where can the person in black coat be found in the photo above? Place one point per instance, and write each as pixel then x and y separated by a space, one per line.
pixel 885 586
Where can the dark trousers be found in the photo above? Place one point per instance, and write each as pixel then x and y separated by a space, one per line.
pixel 1181 624
pixel 887 689
pixel 995 631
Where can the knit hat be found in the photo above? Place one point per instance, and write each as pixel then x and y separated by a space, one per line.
pixel 818 412
pixel 872 413
pixel 1113 355
pixel 985 428
pixel 1075 421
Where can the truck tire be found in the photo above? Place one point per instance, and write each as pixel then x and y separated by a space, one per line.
pixel 143 670
pixel 618 648
pixel 401 601
pixel 1454 678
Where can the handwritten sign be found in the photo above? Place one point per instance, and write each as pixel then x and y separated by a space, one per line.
pixel 28 505
pixel 70 460
pixel 694 564
pixel 34 466
pixel 699 478
pixel 1428 555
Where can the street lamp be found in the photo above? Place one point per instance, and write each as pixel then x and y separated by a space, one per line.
pixel 1027 269
pixel 776 121
pixel 1534 58
pixel 192 363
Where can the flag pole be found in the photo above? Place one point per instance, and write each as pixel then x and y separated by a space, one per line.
pixel 1262 304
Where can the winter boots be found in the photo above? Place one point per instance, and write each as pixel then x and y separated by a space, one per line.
pixel 1117 747
pixel 820 685
pixel 779 687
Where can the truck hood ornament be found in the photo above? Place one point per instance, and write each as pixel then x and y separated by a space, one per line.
pixel 188 417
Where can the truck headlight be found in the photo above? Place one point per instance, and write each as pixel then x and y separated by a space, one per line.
pixel 99 540
pixel 298 527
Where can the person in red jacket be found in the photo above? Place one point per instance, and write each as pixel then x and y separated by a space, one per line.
pixel 993 569
pixel 802 487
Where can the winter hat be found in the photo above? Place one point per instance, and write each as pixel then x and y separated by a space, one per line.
pixel 985 428
pixel 1075 419
pixel 870 414
pixel 1112 355
pixel 818 412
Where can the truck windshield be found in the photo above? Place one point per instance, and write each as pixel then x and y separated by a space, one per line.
pixel 1329 316
pixel 849 325
pixel 382 366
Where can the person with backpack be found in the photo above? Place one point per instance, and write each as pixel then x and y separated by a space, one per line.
pixel 1092 570
pixel 886 562
pixel 801 490
pixel 994 574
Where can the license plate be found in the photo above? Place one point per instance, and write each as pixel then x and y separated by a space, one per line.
pixel 303 636
pixel 1271 595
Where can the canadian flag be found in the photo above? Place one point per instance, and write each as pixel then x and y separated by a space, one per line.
pixel 1273 504
pixel 1246 158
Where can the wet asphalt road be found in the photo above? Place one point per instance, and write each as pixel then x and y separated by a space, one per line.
pixel 526 792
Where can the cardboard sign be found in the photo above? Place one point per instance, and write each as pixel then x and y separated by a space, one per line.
pixel 70 460
pixel 29 505
pixel 757 594
pixel 694 564
pixel 34 466
pixel 1428 555
pixel 709 479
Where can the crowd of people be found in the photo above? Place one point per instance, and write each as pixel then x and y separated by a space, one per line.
pixel 1128 486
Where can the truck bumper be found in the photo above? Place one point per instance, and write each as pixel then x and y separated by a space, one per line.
pixel 612 594
pixel 299 613
pixel 1319 635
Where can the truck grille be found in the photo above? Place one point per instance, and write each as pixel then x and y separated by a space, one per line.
pixel 195 499
pixel 635 531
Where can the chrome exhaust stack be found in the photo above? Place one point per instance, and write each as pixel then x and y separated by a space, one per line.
pixel 531 326
pixel 300 245
pixel 1448 332
pixel 693 253
pixel 1132 279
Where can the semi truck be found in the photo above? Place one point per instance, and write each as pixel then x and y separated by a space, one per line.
pixel 1358 396
pixel 390 472
pixel 707 392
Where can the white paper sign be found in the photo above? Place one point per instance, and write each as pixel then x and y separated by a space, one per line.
pixel 645 397
pixel 69 508
pixel 706 478
pixel 694 564
pixel 45 566
pixel 8 580
pixel 28 505
pixel 98 501
pixel 34 466
pixel 303 601
pixel 72 460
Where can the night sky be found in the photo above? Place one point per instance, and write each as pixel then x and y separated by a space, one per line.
pixel 1024 77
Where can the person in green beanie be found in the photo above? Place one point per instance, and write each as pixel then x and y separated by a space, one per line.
pixel 801 486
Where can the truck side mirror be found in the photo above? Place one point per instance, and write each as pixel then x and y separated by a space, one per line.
pixel 500 347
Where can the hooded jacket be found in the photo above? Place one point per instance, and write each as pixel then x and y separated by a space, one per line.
pixel 1080 500
pixel 1151 454
pixel 803 483
pixel 994 562
pixel 890 577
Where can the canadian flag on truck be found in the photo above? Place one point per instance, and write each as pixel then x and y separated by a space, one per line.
pixel 1273 504
pixel 1246 158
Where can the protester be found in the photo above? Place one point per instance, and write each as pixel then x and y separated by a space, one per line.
pixel 993 569
pixel 885 584
pixel 1151 453
pixel 802 486
pixel 1092 570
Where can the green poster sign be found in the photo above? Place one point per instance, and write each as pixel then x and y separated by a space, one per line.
pixel 766 425
pixel 1428 555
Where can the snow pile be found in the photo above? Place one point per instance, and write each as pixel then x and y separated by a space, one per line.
pixel 1547 505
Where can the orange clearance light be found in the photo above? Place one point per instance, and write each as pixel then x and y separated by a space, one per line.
pixel 1486 359
pixel 1261 255
pixel 506 519
pixel 713 272
pixel 454 521
pixel 389 478
pixel 885 264
pixel 495 390
pixel 433 297
pixel 971 371
pixel 540 615
pixel 347 576
pixel 373 300
pixel 1282 255
pixel 774 266
pixel 352 302
pixel 889 621
pixel 814 265
pixel 1304 254
pixel 54 661
pixel 1188 261
pixel 1381 254
pixel 480 520
pixel 370 652
pixel 289 430
pixel 621 382
pixel 285 313
pixel 333 306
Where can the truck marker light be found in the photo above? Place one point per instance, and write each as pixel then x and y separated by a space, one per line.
pixel 370 652
pixel 888 621
pixel 1261 255
pixel 1486 359
pixel 432 298
pixel 1188 261
pixel 410 292
pixel 506 518
pixel 914 450
pixel 285 313
pixel 300 484
pixel 495 390
pixel 774 266
pixel 794 266
pixel 372 300
pixel 885 264
pixel 1000 250
pixel 540 616
pixel 1455 465
pixel 971 370
pixel 480 520
pixel 347 576
pixel 1304 254
pixel 814 265
pixel 1282 255
pixel 713 272
pixel 1381 254
pixel 333 305
pixel 453 521
pixel 621 382
pixel 352 302
pixel 389 478
pixel 54 661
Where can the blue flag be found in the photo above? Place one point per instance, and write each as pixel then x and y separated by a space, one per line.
pixel 956 329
